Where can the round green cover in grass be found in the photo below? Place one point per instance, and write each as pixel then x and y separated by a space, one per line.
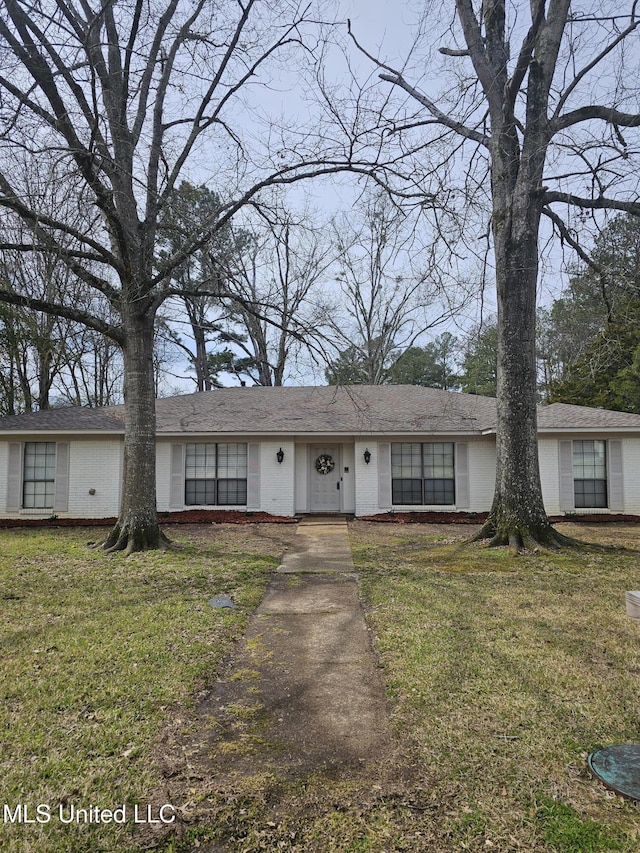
pixel 618 767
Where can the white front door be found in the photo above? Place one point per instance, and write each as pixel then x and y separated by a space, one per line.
pixel 325 478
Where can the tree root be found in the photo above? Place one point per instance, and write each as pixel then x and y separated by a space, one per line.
pixel 520 539
pixel 130 538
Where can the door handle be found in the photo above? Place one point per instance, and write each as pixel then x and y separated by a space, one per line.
pixel 338 486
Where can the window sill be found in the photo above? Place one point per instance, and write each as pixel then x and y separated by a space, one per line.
pixel 425 508
pixel 239 507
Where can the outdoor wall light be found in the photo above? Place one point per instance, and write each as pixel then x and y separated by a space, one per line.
pixel 280 456
pixel 367 456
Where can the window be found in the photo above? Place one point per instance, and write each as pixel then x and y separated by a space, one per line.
pixel 39 474
pixel 216 475
pixel 590 474
pixel 422 473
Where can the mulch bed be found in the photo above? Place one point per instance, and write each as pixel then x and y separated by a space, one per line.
pixel 221 516
pixel 480 517
pixel 190 516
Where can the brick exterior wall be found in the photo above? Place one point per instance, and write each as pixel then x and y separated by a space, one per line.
pixel 96 464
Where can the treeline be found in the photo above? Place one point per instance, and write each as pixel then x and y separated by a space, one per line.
pixel 272 300
pixel 588 339
pixel 275 316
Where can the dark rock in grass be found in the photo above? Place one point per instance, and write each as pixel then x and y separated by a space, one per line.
pixel 222 601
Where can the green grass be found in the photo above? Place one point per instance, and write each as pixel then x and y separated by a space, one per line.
pixel 502 674
pixel 97 653
pixel 565 831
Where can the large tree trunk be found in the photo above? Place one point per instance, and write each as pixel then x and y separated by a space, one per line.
pixel 137 527
pixel 517 516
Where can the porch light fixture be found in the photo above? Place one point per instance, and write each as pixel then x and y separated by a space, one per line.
pixel 367 456
pixel 280 456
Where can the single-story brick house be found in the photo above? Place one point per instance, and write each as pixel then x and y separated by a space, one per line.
pixel 359 449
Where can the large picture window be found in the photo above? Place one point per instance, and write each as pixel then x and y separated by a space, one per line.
pixel 422 473
pixel 39 480
pixel 590 474
pixel 216 474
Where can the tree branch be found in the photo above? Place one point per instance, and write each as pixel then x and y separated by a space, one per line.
pixel 594 62
pixel 589 113
pixel 525 55
pixel 69 313
pixel 398 80
pixel 484 69
pixel 600 203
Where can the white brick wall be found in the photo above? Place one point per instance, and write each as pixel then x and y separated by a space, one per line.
pixel 549 461
pixel 366 478
pixel 548 455
pixel 277 482
pixel 302 478
pixel 482 463
pixel 95 464
pixel 348 484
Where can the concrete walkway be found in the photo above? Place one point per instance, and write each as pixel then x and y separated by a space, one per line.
pixel 304 691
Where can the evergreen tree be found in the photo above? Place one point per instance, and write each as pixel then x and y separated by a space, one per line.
pixel 479 365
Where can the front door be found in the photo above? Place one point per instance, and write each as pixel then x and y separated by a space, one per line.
pixel 325 478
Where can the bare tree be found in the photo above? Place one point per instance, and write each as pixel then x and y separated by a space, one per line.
pixel 111 102
pixel 386 304
pixel 92 372
pixel 51 360
pixel 274 309
pixel 542 95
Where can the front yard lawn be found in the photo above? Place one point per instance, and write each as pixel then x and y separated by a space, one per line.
pixel 502 674
pixel 97 653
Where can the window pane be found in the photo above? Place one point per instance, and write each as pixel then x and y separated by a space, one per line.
pixel 232 492
pixel 406 491
pixel 590 493
pixel 439 491
pixel 40 460
pixel 589 460
pixel 590 473
pixel 406 460
pixel 232 461
pixel 438 460
pixel 216 474
pixel 200 461
pixel 39 474
pixel 38 495
pixel 200 492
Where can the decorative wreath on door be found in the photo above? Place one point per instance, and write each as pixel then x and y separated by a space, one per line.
pixel 325 464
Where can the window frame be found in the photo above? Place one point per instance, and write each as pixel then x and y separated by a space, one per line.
pixel 28 498
pixel 434 457
pixel 215 486
pixel 590 492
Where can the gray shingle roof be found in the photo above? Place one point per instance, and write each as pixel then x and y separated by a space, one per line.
pixel 75 418
pixel 354 409
pixel 362 409
pixel 566 416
